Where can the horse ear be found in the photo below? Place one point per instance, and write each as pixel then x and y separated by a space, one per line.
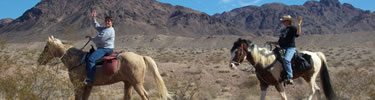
pixel 52 37
pixel 49 38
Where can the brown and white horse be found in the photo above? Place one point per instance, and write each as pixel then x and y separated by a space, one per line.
pixel 131 70
pixel 268 71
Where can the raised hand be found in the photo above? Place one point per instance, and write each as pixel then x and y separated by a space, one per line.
pixel 299 20
pixel 93 14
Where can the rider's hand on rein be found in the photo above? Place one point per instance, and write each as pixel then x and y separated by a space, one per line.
pixel 90 38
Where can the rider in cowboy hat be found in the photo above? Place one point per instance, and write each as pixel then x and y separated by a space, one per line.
pixel 287 42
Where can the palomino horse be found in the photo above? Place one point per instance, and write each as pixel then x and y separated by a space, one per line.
pixel 131 70
pixel 268 70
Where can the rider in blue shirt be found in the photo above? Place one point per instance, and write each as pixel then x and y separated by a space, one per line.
pixel 104 42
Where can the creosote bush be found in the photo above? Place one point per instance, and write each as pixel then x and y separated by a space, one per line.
pixel 355 85
pixel 37 83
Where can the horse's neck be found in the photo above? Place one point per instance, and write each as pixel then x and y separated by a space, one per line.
pixel 263 58
pixel 72 56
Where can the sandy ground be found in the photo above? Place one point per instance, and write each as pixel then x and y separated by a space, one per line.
pixel 197 68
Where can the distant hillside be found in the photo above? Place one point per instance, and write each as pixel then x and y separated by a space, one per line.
pixel 5 21
pixel 323 17
pixel 70 19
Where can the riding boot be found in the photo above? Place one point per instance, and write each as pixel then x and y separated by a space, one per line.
pixel 87 82
pixel 289 81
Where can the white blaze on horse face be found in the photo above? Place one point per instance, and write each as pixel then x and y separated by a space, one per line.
pixel 244 58
pixel 233 54
pixel 232 65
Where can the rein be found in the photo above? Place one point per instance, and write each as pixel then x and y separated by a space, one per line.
pixel 265 69
pixel 85 44
pixel 247 69
pixel 74 67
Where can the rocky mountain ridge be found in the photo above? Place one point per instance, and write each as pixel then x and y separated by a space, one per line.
pixel 5 21
pixel 70 19
pixel 323 17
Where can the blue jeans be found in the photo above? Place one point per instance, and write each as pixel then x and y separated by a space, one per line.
pixel 90 62
pixel 289 53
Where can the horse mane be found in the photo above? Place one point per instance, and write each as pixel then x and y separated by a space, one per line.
pixel 70 50
pixel 75 51
pixel 262 56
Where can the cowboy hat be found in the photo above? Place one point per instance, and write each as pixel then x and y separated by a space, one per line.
pixel 287 18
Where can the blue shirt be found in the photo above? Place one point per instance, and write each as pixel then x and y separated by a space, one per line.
pixel 105 38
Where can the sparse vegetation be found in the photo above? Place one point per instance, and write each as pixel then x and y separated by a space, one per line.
pixel 190 74
pixel 3 44
pixel 38 83
pixel 22 80
pixel 355 85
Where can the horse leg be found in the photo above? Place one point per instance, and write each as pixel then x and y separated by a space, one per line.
pixel 280 89
pixel 263 88
pixel 128 91
pixel 77 96
pixel 87 92
pixel 312 84
pixel 318 90
pixel 141 91
pixel 78 93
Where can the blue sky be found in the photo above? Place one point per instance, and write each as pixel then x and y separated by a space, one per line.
pixel 15 8
pixel 218 6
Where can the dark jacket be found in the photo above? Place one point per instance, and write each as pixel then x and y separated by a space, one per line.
pixel 287 37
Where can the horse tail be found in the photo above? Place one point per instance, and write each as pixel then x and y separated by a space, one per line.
pixel 326 81
pixel 151 66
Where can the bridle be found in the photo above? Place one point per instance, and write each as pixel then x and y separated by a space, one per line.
pixel 242 55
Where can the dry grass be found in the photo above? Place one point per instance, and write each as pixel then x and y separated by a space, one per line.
pixel 193 75
pixel 31 82
pixel 3 44
pixel 355 85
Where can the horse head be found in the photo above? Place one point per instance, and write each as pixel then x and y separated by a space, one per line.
pixel 239 52
pixel 54 48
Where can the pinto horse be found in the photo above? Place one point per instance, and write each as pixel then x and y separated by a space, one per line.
pixel 268 69
pixel 131 70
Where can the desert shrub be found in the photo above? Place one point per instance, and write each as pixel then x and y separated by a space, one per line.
pixel 249 88
pixel 35 83
pixel 169 58
pixel 3 44
pixel 216 59
pixel 4 60
pixel 186 90
pixel 355 85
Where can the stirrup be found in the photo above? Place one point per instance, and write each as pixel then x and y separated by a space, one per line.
pixel 87 82
pixel 289 81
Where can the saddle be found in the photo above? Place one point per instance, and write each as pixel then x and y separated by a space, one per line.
pixel 300 61
pixel 108 62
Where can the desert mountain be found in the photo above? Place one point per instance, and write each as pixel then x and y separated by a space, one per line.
pixel 71 19
pixel 5 21
pixel 323 17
